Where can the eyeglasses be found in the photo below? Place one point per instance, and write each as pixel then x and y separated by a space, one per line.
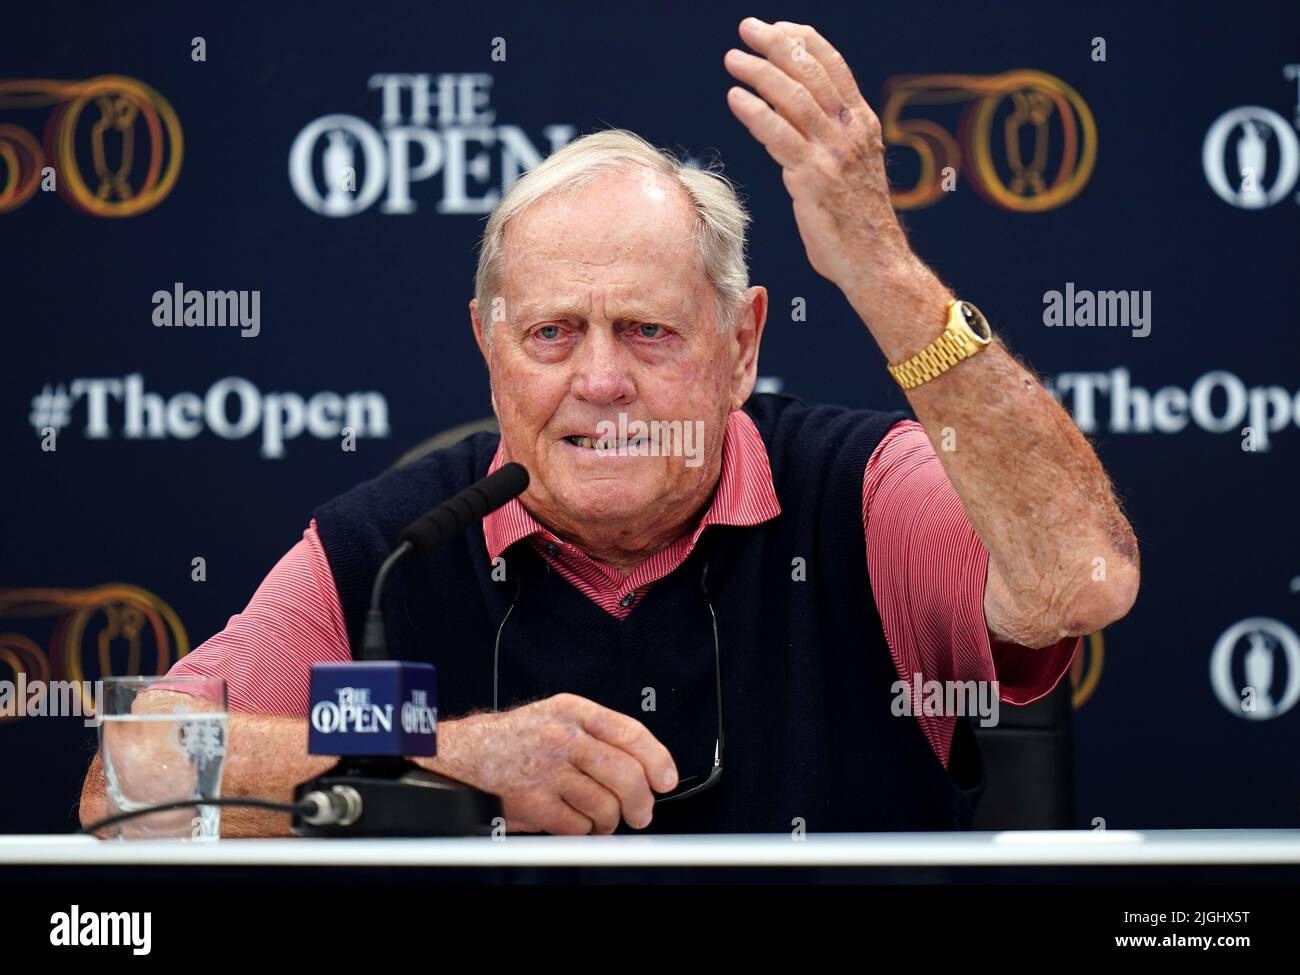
pixel 715 773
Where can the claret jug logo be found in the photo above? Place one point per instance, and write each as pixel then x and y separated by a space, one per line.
pixel 55 642
pixel 1255 668
pixel 112 144
pixel 1026 139
pixel 1251 154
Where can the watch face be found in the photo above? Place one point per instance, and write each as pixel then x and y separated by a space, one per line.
pixel 975 321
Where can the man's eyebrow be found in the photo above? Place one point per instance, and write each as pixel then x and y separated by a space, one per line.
pixel 648 314
pixel 526 313
pixel 631 312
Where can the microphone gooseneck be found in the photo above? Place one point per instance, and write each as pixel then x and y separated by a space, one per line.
pixel 430 530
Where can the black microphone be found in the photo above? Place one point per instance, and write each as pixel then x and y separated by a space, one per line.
pixel 430 530
pixel 456 514
pixel 375 789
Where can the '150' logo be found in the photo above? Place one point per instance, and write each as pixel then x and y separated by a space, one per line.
pixel 132 136
pixel 1047 138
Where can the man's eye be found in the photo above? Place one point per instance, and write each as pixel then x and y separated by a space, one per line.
pixel 548 332
pixel 647 330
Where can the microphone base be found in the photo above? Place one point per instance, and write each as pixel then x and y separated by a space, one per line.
pixel 399 798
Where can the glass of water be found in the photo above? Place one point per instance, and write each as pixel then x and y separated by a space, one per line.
pixel 163 739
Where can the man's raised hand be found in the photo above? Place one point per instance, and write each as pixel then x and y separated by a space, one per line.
pixel 814 122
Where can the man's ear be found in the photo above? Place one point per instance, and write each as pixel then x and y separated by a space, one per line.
pixel 477 324
pixel 746 336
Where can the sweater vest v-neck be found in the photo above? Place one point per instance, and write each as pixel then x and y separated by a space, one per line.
pixel 810 734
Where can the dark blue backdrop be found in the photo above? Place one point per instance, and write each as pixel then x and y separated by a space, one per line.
pixel 374 303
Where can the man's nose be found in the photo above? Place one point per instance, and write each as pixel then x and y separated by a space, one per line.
pixel 602 369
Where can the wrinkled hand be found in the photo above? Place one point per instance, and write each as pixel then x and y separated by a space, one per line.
pixel 814 122
pixel 563 765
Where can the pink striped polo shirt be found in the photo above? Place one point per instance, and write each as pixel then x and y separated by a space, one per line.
pixel 927 570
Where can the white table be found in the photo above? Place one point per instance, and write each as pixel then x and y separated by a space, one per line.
pixel 1011 849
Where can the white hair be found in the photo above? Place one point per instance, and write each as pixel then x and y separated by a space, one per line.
pixel 719 230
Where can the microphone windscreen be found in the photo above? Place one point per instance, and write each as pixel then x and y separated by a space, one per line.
pixel 457 513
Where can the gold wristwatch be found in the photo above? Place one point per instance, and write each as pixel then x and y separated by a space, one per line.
pixel 966 333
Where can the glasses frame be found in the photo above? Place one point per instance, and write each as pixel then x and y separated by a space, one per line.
pixel 715 773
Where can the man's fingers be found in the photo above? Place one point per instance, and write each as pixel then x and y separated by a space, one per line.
pixel 781 140
pixel 632 737
pixel 789 47
pixel 592 800
pixel 618 773
pixel 807 99
pixel 831 61
pixel 560 818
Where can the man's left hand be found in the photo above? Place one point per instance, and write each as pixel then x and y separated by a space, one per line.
pixel 814 122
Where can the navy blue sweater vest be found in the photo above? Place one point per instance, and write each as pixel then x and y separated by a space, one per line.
pixel 807 677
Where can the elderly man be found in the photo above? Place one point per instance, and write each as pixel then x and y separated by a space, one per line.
pixel 731 621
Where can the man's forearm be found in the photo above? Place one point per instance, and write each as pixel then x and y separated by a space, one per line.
pixel 1028 479
pixel 459 739
pixel 266 757
pixel 1062 557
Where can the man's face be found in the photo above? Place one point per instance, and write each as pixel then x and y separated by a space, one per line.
pixel 607 311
